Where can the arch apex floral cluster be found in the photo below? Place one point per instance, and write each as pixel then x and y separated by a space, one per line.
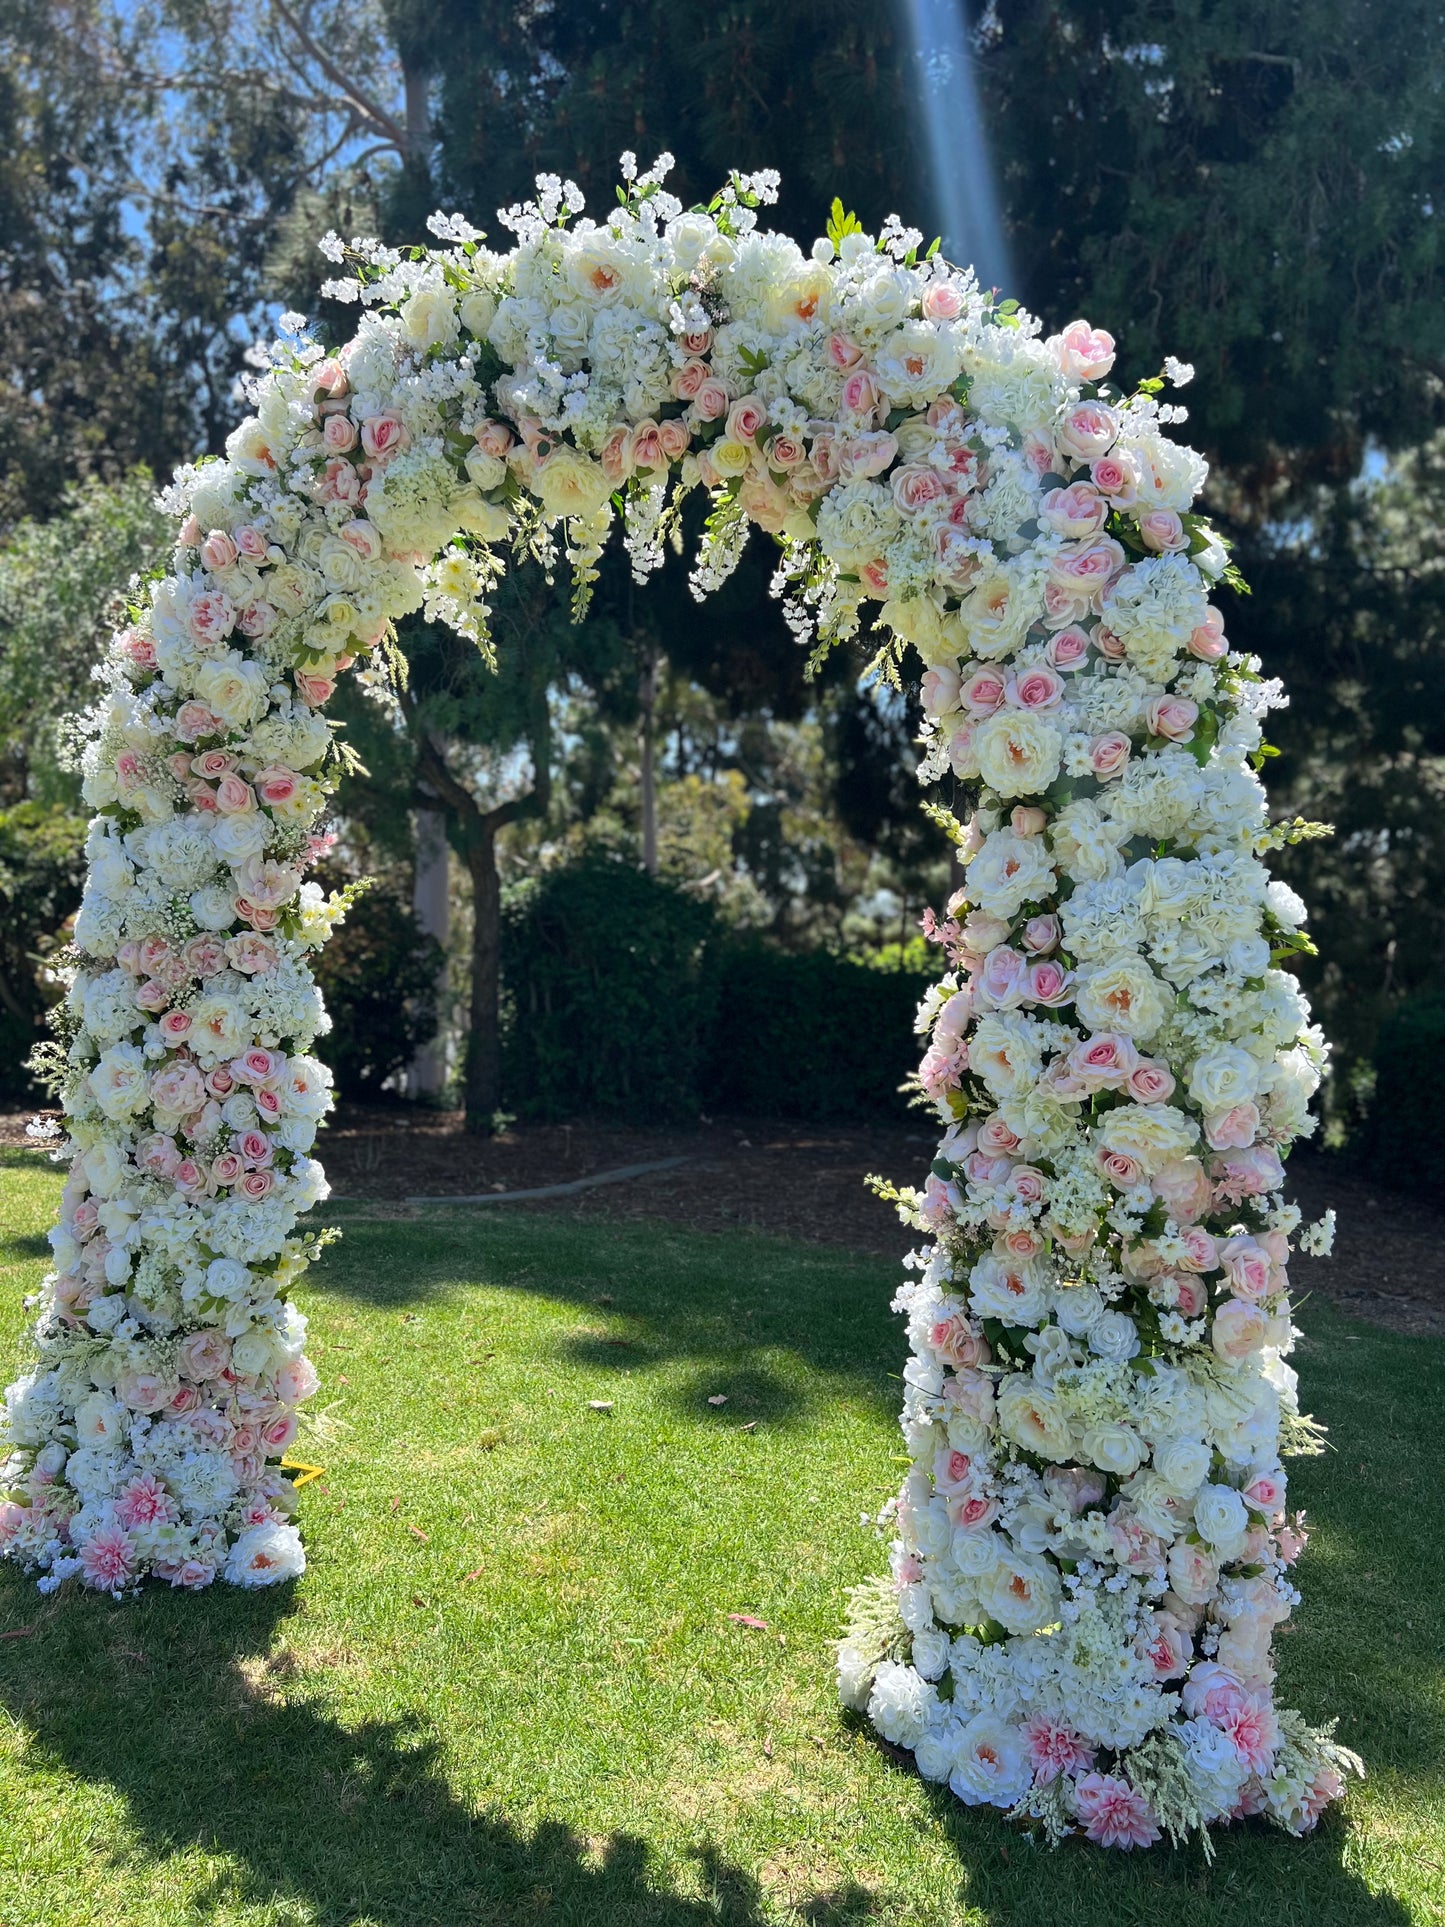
pixel 1092 1548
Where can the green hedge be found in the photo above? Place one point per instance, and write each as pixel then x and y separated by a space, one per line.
pixel 378 975
pixel 812 1036
pixel 610 992
pixel 627 998
pixel 1404 1136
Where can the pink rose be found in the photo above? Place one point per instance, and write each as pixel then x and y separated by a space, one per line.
pixel 1116 476
pixel 220 1082
pixel 234 796
pixel 218 551
pixel 1234 1129
pixel 338 434
pixel 1108 753
pixel 645 448
pixel 1190 1297
pixel 189 1176
pixel 1162 531
pixel 869 454
pixel 256 619
pixel 1200 1251
pixel 383 437
pixel 140 648
pixel 211 618
pixel 250 543
pixel 277 1433
pixel 227 1168
pixel 1151 1082
pixel 940 690
pixel 1248 1271
pixel 1125 1172
pixel 1041 934
pixel 1239 1330
pixel 178 1089
pixel 675 437
pixel 1266 1490
pixel 251 955
pixel 995 1139
pixel 1039 688
pixel 746 417
pixel 339 482
pixel 362 536
pixel 1065 603
pixel 915 486
pixel 1076 512
pixel 1088 431
pixel 842 352
pixel 1003 977
pixel 710 403
pixel 688 380
pixel 984 692
pixel 175 1026
pixel 255 1147
pixel 275 784
pixel 860 393
pixel 315 690
pixel 204 1355
pixel 1103 1062
pixel 1109 646
pixel 697 341
pixel 1027 819
pixel 1049 983
pixel 330 379
pixel 1081 351
pixel 193 720
pixel 1247 1174
pixel 213 764
pixel 152 995
pixel 941 302
pixel 958 1343
pixel 493 438
pixel 190 533
pixel 1208 643
pixel 157 1154
pixel 1172 717
pixel 976 1514
pixel 255 1065
pixel 296 1380
pixel 1184 1189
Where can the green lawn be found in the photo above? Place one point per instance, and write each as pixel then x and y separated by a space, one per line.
pixel 508 1689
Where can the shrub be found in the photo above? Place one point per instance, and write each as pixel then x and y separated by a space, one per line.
pixel 41 868
pixel 1404 1136
pixel 812 1036
pixel 606 971
pixel 379 977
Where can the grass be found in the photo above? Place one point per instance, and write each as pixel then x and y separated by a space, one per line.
pixel 509 1691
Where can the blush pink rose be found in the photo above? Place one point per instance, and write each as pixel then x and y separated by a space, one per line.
pixel 1041 934
pixel 941 301
pixel 1076 512
pixel 218 551
pixel 860 393
pixel 915 487
pixel 315 690
pixel 1172 717
pixel 1162 532
pixel 178 1089
pixel 1234 1129
pixel 227 1168
pixel 842 352
pixel 1116 476
pixel 1049 983
pixel 1108 753
pixel 275 784
pixel 211 618
pixel 1151 1082
pixel 256 1147
pixel 175 1026
pixel 1207 643
pixel 339 482
pixel 710 404
pixel 338 433
pixel 995 1139
pixel 940 691
pixel 1089 430
pixel 1125 1172
pixel 1081 351
pixel 1039 688
pixel 234 796
pixel 984 692
pixel 1239 1330
pixel 383 437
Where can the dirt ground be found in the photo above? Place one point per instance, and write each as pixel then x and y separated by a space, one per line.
pixel 808 1183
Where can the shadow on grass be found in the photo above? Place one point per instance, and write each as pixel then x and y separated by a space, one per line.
pixel 187 1708
pixel 730 1302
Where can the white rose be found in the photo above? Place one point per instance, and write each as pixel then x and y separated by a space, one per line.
pixel 1154 1135
pixel 569 483
pixel 1223 1077
pixel 1113 1448
pixel 235 838
pixel 477 312
pixel 1183 1464
pixel 1221 1518
pixel 429 318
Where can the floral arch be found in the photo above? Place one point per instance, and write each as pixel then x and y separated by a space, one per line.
pixel 1090 1553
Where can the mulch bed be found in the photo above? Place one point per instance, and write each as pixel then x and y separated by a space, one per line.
pixel 803 1182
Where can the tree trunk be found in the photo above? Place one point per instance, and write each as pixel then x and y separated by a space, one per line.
pixel 483 1076
pixel 649 763
pixel 431 901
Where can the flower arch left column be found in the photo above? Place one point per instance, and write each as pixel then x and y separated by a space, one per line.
pixel 171 1363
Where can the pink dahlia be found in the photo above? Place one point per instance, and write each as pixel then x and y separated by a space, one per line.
pixel 143 1501
pixel 1328 1787
pixel 1054 1749
pixel 1253 1730
pixel 107 1560
pixel 1114 1815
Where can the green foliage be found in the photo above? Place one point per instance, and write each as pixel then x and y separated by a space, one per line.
pixel 62 592
pixel 811 1035
pixel 1403 1137
pixel 41 867
pixel 606 972
pixel 379 976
